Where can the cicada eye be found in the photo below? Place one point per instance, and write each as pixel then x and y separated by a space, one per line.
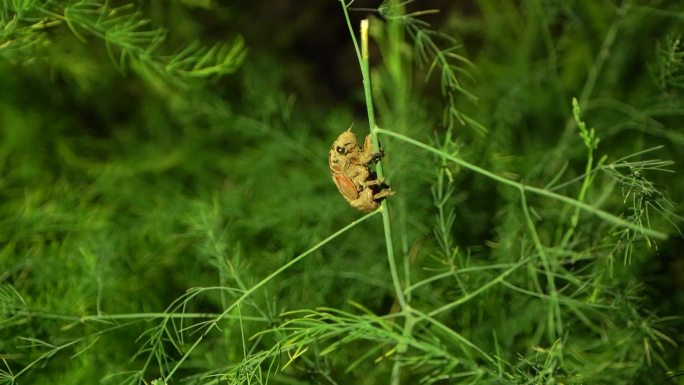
pixel 341 150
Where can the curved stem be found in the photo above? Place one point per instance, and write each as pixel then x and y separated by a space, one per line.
pixel 387 227
pixel 384 208
pixel 535 190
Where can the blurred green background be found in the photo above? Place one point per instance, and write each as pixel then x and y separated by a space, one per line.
pixel 151 147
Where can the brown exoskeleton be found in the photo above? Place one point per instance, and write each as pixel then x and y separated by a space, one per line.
pixel 349 167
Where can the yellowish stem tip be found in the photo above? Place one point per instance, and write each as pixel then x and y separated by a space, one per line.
pixel 364 39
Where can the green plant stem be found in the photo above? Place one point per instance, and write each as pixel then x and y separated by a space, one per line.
pixel 588 179
pixel 292 263
pixel 500 278
pixel 129 316
pixel 351 30
pixel 454 335
pixel 56 348
pixel 588 208
pixel 365 72
pixel 362 56
pixel 264 281
pixel 386 223
pixel 592 77
pixel 554 319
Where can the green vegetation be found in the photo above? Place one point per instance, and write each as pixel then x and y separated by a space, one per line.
pixel 167 214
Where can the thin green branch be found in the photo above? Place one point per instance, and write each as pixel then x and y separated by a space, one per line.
pixel 384 208
pixel 209 324
pixel 591 142
pixel 592 77
pixel 554 320
pixel 130 316
pixel 535 190
pixel 477 292
pixel 455 273
pixel 464 342
pixel 351 30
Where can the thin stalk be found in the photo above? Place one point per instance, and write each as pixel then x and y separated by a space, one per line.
pixel 586 183
pixel 292 263
pixel 131 316
pixel 592 77
pixel 500 278
pixel 56 348
pixel 535 190
pixel 384 209
pixel 351 31
pixel 280 270
pixel 365 73
pixel 554 319
pixel 454 273
pixel 386 223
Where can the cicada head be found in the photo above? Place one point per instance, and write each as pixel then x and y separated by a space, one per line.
pixel 345 148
